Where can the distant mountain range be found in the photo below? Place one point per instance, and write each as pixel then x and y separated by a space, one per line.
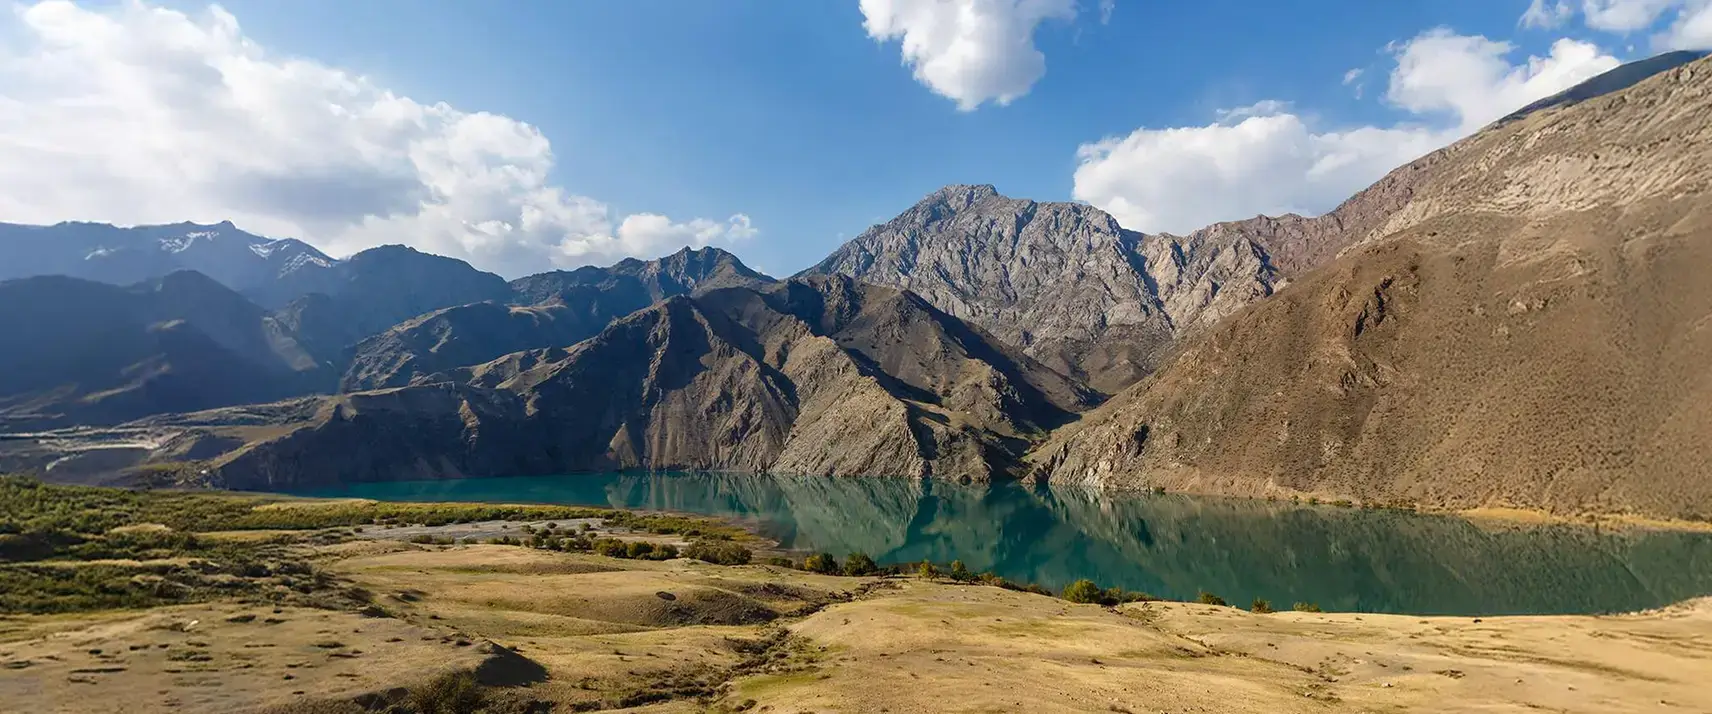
pixel 380 318
pixel 122 256
pixel 1518 319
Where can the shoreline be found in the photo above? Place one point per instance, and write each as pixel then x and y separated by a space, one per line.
pixel 1512 516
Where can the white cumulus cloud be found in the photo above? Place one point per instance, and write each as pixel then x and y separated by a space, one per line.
pixel 131 113
pixel 1269 159
pixel 969 51
pixel 1689 25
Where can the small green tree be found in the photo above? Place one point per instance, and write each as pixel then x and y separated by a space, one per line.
pixel 822 563
pixel 1207 598
pixel 1083 591
pixel 960 572
pixel 927 571
pixel 860 564
pixel 1261 606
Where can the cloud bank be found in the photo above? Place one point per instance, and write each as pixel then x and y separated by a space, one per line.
pixel 137 114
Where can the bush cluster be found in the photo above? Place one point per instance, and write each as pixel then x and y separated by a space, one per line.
pixel 1087 592
pixel 718 552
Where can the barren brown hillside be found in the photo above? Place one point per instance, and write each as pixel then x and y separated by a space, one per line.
pixel 1534 329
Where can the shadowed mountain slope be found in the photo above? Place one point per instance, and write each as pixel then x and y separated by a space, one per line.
pixel 819 376
pixel 89 352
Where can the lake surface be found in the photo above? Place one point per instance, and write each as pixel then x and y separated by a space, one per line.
pixel 1168 545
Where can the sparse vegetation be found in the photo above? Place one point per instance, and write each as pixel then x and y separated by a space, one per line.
pixel 1207 598
pixel 1087 592
pixel 1260 606
pixel 1305 607
pixel 927 570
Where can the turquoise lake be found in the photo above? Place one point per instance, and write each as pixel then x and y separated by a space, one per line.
pixel 1168 545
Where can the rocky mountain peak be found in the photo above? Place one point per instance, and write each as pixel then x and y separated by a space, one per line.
pixel 1062 280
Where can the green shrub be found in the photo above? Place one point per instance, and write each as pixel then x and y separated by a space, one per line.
pixel 1082 591
pixel 611 548
pixel 1207 598
pixel 822 563
pixel 927 570
pixel 1261 606
pixel 638 549
pixel 1119 596
pixel 664 551
pixel 859 564
pixel 1305 607
pixel 719 552
pixel 782 562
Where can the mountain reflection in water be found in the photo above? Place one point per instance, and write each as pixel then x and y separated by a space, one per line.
pixel 1168 545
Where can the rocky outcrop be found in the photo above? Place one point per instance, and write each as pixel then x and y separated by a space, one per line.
pixel 1061 280
pixel 819 376
pixel 1528 329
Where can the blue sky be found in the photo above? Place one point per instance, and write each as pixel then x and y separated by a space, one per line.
pixel 792 115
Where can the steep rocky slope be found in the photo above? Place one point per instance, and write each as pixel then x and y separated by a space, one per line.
pixel 554 309
pixel 88 352
pixel 1061 280
pixel 818 376
pixel 1532 328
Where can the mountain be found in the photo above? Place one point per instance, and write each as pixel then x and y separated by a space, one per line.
pixel 554 309
pixel 123 256
pixel 88 352
pixel 1612 80
pixel 334 307
pixel 770 378
pixel 454 337
pixel 642 282
pixel 1061 280
pixel 1530 328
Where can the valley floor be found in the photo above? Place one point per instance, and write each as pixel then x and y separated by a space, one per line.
pixel 553 631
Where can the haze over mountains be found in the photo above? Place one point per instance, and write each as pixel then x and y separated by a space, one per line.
pixel 1518 319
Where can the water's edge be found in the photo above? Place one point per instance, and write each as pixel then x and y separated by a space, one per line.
pixel 1169 545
